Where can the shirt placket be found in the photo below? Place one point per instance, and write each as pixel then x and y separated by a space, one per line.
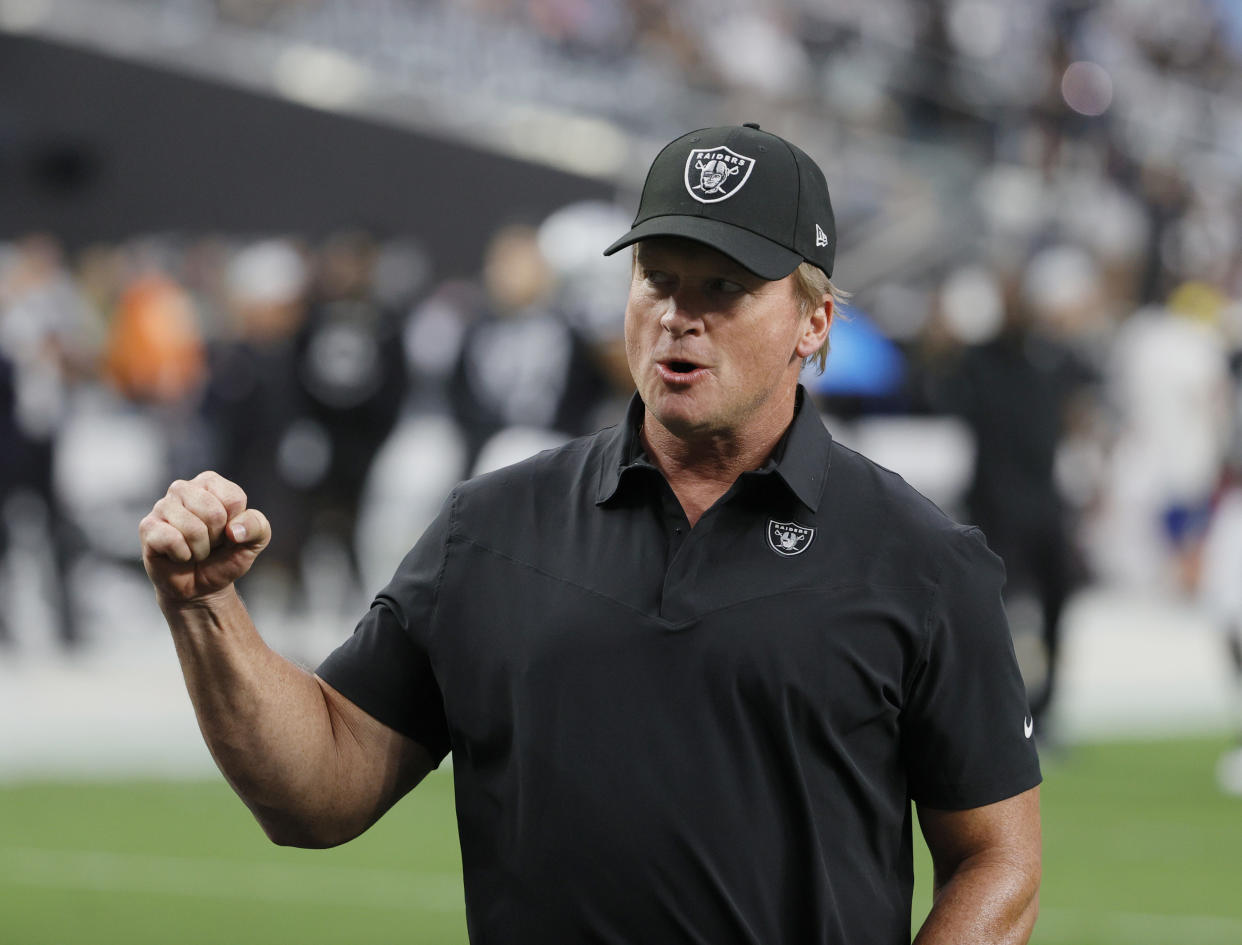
pixel 681 541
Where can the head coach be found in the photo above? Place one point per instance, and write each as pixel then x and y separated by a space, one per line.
pixel 693 670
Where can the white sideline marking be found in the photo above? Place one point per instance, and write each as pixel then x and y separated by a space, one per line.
pixel 229 879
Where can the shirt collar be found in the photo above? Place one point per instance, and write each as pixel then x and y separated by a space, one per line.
pixel 623 451
pixel 800 459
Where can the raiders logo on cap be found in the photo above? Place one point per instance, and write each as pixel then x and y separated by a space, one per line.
pixel 789 538
pixel 715 174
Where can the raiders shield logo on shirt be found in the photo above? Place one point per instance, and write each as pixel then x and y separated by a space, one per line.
pixel 715 174
pixel 789 538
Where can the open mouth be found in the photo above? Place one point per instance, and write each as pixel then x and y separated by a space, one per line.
pixel 681 373
pixel 680 367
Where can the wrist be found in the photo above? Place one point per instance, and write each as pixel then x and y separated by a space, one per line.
pixel 174 606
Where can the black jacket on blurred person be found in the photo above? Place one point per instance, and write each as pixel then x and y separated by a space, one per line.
pixel 521 363
pixel 1015 392
pixel 351 368
pixel 299 415
pixel 528 369
pixel 254 404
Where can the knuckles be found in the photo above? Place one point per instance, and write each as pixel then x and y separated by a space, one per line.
pixel 157 537
pixel 194 511
pixel 211 479
pixel 229 493
pixel 166 507
pixel 215 517
pixel 196 528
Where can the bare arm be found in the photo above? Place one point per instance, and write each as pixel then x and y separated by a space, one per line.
pixel 987 865
pixel 313 768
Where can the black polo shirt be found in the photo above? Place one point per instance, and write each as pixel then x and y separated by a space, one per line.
pixel 707 735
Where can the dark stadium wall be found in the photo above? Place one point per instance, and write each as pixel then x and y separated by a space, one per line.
pixel 93 148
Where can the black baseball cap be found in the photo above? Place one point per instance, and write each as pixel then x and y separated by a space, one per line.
pixel 745 192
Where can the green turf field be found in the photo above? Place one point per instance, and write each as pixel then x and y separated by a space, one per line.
pixel 1140 849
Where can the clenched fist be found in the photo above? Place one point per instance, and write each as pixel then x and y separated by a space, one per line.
pixel 200 538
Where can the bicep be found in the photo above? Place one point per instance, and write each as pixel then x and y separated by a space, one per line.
pixel 1006 832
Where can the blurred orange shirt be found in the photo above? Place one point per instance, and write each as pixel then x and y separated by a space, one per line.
pixel 155 349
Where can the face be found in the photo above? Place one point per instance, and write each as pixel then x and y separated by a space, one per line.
pixel 715 350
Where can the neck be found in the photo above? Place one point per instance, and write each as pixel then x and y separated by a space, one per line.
pixel 701 468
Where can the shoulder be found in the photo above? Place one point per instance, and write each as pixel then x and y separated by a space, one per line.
pixel 890 523
pixel 876 493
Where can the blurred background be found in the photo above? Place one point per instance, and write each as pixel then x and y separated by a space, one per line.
pixel 347 253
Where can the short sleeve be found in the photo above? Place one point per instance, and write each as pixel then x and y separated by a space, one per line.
pixel 966 726
pixel 384 667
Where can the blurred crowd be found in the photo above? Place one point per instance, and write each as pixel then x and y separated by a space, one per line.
pixel 1039 206
pixel 1167 69
pixel 347 389
pixel 290 367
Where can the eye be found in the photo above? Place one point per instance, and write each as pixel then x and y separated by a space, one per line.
pixel 657 277
pixel 725 286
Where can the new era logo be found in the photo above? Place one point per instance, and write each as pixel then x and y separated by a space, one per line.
pixel 821 238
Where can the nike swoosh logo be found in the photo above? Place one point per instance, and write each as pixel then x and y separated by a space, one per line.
pixel 1028 726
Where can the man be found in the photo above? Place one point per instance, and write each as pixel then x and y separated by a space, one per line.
pixel 692 669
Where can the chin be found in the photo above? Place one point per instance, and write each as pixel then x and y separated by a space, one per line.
pixel 681 419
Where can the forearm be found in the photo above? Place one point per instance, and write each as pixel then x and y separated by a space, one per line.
pixel 986 901
pixel 314 768
pixel 268 724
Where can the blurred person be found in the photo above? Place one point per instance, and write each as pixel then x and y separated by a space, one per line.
pixel 426 335
pixel 255 404
pixel 51 338
pixel 100 274
pixel 707 630
pixel 1167 381
pixel 432 340
pixel 138 423
pixel 154 351
pixel 588 286
pixel 1166 196
pixel 521 363
pixel 203 273
pixel 1109 222
pixel 352 368
pixel 1017 386
pixel 1219 571
pixel 399 274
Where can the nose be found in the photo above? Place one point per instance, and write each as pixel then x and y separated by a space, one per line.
pixel 677 320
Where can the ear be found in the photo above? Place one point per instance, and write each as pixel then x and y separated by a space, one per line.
pixel 815 328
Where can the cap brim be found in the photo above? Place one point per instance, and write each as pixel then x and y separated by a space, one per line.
pixel 760 255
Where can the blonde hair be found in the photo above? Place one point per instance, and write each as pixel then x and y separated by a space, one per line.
pixel 811 284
